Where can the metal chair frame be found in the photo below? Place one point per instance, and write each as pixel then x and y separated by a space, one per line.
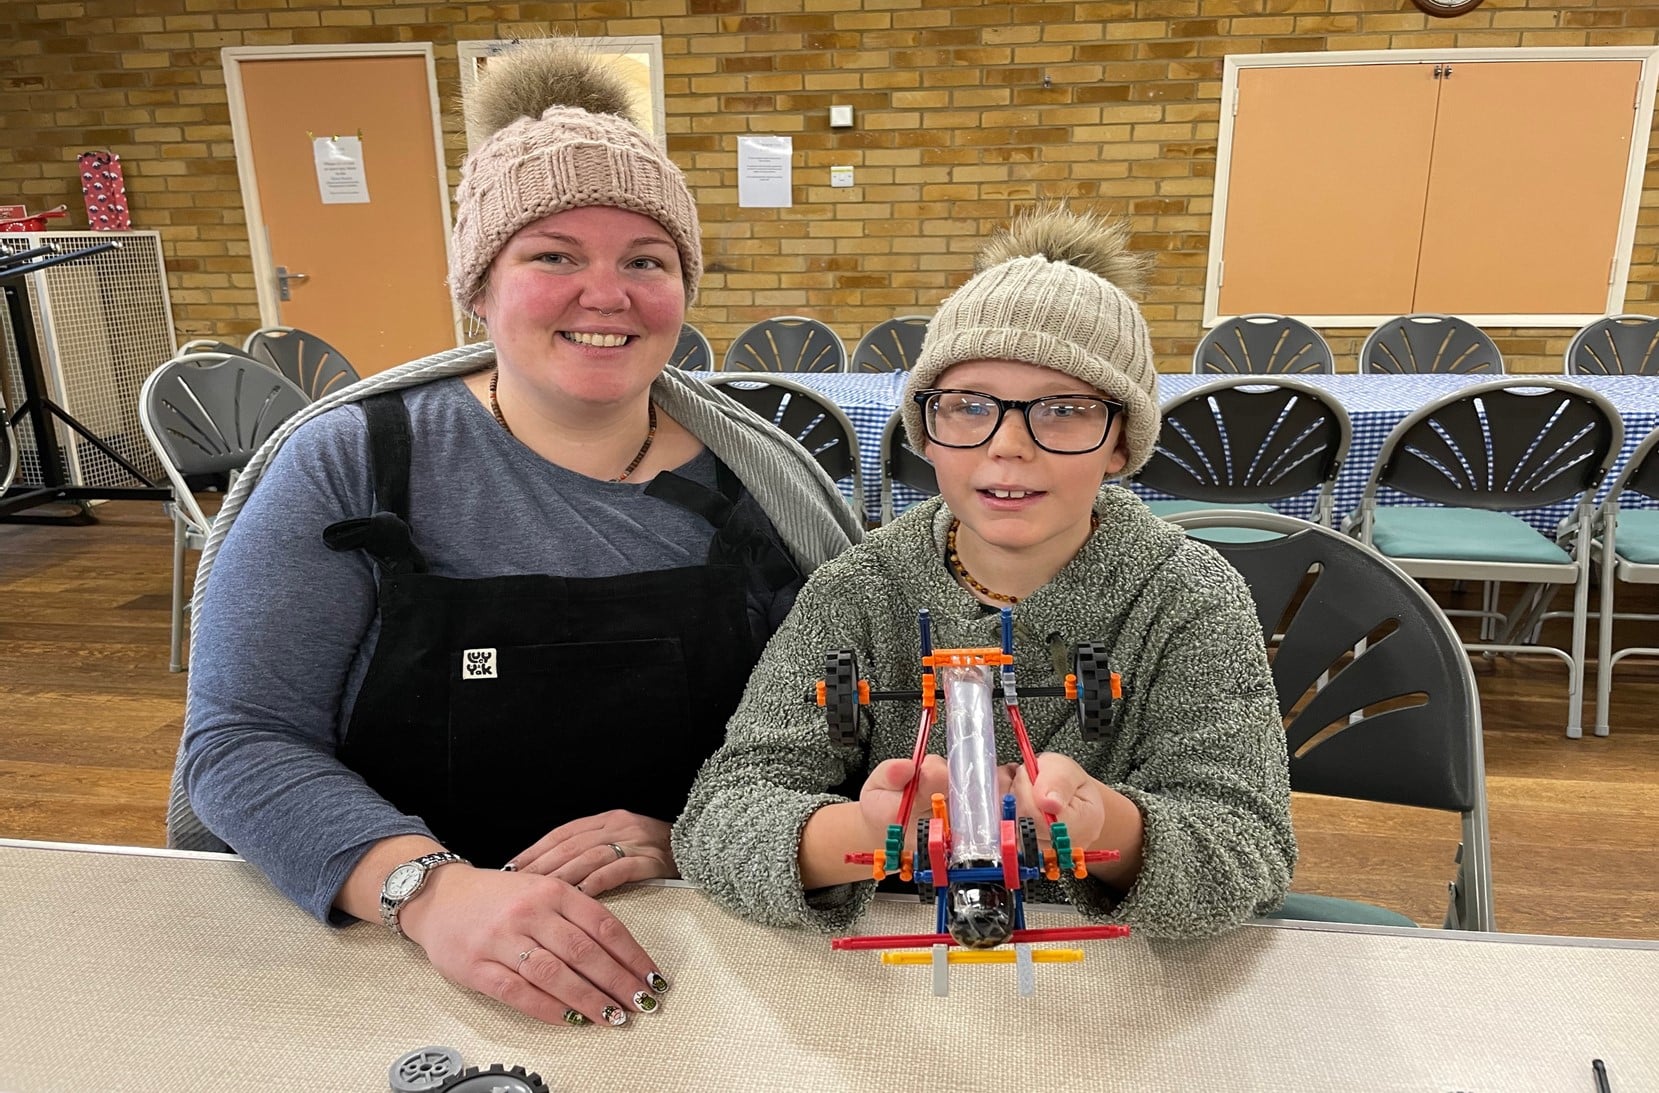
pixel 1430 342
pixel 1640 475
pixel 1379 700
pixel 1507 446
pixel 206 413
pixel 1263 344
pixel 1251 440
pixel 786 343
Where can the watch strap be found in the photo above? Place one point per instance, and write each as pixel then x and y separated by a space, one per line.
pixel 390 908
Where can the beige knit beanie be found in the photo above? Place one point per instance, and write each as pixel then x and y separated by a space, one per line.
pixel 1050 291
pixel 561 138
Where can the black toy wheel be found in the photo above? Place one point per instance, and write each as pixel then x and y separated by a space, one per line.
pixel 1029 854
pixel 497 1079
pixel 1094 691
pixel 841 697
pixel 918 861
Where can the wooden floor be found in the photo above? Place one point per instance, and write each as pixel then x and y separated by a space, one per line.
pixel 92 719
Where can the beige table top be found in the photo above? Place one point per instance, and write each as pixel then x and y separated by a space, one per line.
pixel 151 971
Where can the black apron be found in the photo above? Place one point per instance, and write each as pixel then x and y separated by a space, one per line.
pixel 498 708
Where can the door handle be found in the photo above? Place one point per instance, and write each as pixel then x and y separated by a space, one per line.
pixel 284 277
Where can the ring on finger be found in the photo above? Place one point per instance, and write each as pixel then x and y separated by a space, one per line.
pixel 525 955
pixel 617 850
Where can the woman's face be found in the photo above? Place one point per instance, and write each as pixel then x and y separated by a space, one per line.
pixel 586 303
pixel 1009 492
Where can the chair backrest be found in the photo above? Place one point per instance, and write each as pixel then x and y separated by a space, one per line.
pixel 890 346
pixel 1509 444
pixel 1640 473
pixel 1427 342
pixel 693 351
pixel 310 363
pixel 207 413
pixel 1615 345
pixel 1250 440
pixel 210 345
pixel 1378 698
pixel 787 343
pixel 810 419
pixel 902 465
pixel 1263 345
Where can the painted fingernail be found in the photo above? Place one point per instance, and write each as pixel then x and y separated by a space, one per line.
pixel 510 867
pixel 574 1018
pixel 656 982
pixel 613 1015
pixel 645 1001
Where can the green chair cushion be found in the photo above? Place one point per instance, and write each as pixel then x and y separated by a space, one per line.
pixel 1464 535
pixel 1307 908
pixel 1215 535
pixel 1637 539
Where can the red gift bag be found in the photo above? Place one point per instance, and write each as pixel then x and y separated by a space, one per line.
pixel 105 190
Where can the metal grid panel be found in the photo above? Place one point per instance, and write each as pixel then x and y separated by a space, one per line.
pixel 104 324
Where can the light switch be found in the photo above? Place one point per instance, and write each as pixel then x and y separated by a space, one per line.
pixel 841 117
pixel 841 176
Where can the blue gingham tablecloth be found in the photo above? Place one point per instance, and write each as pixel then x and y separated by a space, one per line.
pixel 1375 404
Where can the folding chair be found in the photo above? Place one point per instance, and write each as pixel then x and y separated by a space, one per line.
pixel 787 343
pixel 1628 541
pixel 1378 697
pixel 310 363
pixel 1426 342
pixel 693 351
pixel 1244 441
pixel 890 346
pixel 207 413
pixel 1263 345
pixel 808 418
pixel 1615 345
pixel 902 465
pixel 1480 455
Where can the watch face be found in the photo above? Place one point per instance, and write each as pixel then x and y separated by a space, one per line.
pixel 403 880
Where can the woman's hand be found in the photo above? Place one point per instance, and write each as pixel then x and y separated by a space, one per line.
pixel 883 791
pixel 533 942
pixel 598 853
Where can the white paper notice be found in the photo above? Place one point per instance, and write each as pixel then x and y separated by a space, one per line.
pixel 340 176
pixel 763 172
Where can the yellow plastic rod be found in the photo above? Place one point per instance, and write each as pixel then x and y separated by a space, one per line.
pixel 984 956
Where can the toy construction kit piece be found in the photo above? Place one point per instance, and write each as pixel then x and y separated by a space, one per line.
pixel 973 856
pixel 496 1079
pixel 424 1070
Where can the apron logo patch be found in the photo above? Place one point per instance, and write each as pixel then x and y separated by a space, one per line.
pixel 478 664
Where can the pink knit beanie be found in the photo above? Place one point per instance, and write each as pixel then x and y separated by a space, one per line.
pixel 1050 290
pixel 561 138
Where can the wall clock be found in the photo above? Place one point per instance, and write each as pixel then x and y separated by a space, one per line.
pixel 1445 9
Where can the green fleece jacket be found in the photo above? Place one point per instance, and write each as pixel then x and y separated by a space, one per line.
pixel 1198 745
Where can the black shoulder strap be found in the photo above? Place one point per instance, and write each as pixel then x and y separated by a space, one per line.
pixel 385 534
pixel 715 506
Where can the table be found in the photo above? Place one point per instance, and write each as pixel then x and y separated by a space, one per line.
pixel 1375 403
pixel 160 970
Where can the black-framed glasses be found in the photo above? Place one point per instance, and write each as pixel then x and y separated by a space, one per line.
pixel 1062 424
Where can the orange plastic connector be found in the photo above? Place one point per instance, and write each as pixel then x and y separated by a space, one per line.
pixel 941 813
pixel 1051 863
pixel 864 691
pixel 966 658
pixel 930 687
pixel 1071 688
pixel 906 866
pixel 823 693
pixel 1117 686
pixel 878 866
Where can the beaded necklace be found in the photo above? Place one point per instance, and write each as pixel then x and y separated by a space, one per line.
pixel 960 571
pixel 639 456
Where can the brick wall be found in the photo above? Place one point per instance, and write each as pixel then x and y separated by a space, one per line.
pixel 957 127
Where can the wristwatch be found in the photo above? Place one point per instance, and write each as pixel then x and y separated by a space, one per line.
pixel 404 882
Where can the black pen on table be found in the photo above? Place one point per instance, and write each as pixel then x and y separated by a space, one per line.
pixel 1600 1070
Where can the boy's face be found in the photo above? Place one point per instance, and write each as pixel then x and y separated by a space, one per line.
pixel 1009 492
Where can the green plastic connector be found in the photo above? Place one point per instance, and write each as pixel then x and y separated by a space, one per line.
pixel 895 846
pixel 1062 846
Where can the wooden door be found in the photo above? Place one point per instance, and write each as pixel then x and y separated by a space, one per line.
pixel 1329 168
pixel 1528 186
pixel 374 271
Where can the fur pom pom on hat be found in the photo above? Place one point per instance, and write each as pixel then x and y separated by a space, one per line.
pixel 1052 290
pixel 561 138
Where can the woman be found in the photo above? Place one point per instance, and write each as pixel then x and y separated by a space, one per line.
pixel 465 632
pixel 1035 384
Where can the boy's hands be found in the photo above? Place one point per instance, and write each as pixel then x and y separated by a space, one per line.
pixel 1065 791
pixel 879 800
